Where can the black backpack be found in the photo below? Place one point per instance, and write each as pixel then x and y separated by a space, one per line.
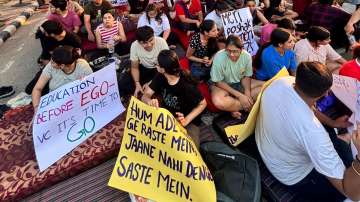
pixel 236 175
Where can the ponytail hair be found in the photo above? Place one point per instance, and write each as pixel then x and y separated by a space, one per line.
pixel 65 55
pixel 169 61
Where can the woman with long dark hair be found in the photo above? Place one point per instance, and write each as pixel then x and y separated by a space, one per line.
pixel 179 95
pixel 159 22
pixel 276 55
pixel 202 48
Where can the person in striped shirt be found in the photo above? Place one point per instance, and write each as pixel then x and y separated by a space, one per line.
pixel 111 33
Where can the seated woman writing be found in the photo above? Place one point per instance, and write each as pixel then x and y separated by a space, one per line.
pixel 178 94
pixel 110 35
pixel 232 88
pixel 64 67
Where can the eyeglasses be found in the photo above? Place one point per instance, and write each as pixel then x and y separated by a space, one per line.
pixel 233 51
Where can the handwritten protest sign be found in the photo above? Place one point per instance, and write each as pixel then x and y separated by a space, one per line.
pixel 158 160
pixel 238 133
pixel 347 90
pixel 72 113
pixel 115 3
pixel 240 22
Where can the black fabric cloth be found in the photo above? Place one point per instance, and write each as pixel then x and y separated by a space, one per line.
pixel 30 86
pixel 48 44
pixel 126 82
pixel 138 6
pixel 3 109
pixel 173 39
pixel 182 97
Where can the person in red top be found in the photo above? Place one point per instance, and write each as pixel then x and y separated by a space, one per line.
pixel 352 68
pixel 188 14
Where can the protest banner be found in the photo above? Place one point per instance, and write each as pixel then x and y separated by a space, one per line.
pixel 158 160
pixel 72 113
pixel 238 133
pixel 116 3
pixel 240 22
pixel 347 90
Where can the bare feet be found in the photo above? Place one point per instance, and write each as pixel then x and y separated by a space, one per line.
pixel 236 115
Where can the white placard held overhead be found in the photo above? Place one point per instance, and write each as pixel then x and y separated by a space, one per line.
pixel 240 22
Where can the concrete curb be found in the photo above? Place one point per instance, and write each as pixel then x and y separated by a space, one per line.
pixel 10 29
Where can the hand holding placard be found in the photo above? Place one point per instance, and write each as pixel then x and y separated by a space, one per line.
pixel 158 160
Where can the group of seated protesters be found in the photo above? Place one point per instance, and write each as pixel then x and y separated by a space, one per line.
pixel 296 140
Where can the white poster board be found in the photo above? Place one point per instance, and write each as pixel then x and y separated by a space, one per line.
pixel 70 114
pixel 240 22
pixel 116 3
pixel 347 90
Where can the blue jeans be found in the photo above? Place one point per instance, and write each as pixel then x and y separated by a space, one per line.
pixel 199 71
pixel 315 186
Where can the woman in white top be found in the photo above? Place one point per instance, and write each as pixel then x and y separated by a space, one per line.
pixel 159 22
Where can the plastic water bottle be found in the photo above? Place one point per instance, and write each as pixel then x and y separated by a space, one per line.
pixel 111 46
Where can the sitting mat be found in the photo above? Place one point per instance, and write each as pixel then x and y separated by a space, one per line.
pixel 19 173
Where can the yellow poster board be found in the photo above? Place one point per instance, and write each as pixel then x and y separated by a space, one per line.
pixel 158 160
pixel 238 133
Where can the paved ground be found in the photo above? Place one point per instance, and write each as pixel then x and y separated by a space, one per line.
pixel 18 56
pixel 9 12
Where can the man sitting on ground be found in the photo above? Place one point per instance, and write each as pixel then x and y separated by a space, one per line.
pixel 143 55
pixel 52 35
pixel 93 16
pixel 294 145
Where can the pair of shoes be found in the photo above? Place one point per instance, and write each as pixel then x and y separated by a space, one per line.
pixel 6 91
pixel 19 100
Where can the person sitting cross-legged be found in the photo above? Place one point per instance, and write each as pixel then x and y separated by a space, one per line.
pixel 232 88
pixel 143 55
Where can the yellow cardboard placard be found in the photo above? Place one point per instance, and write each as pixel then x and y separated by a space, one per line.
pixel 158 160
pixel 238 133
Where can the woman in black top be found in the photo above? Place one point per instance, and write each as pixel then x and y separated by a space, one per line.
pixel 178 94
